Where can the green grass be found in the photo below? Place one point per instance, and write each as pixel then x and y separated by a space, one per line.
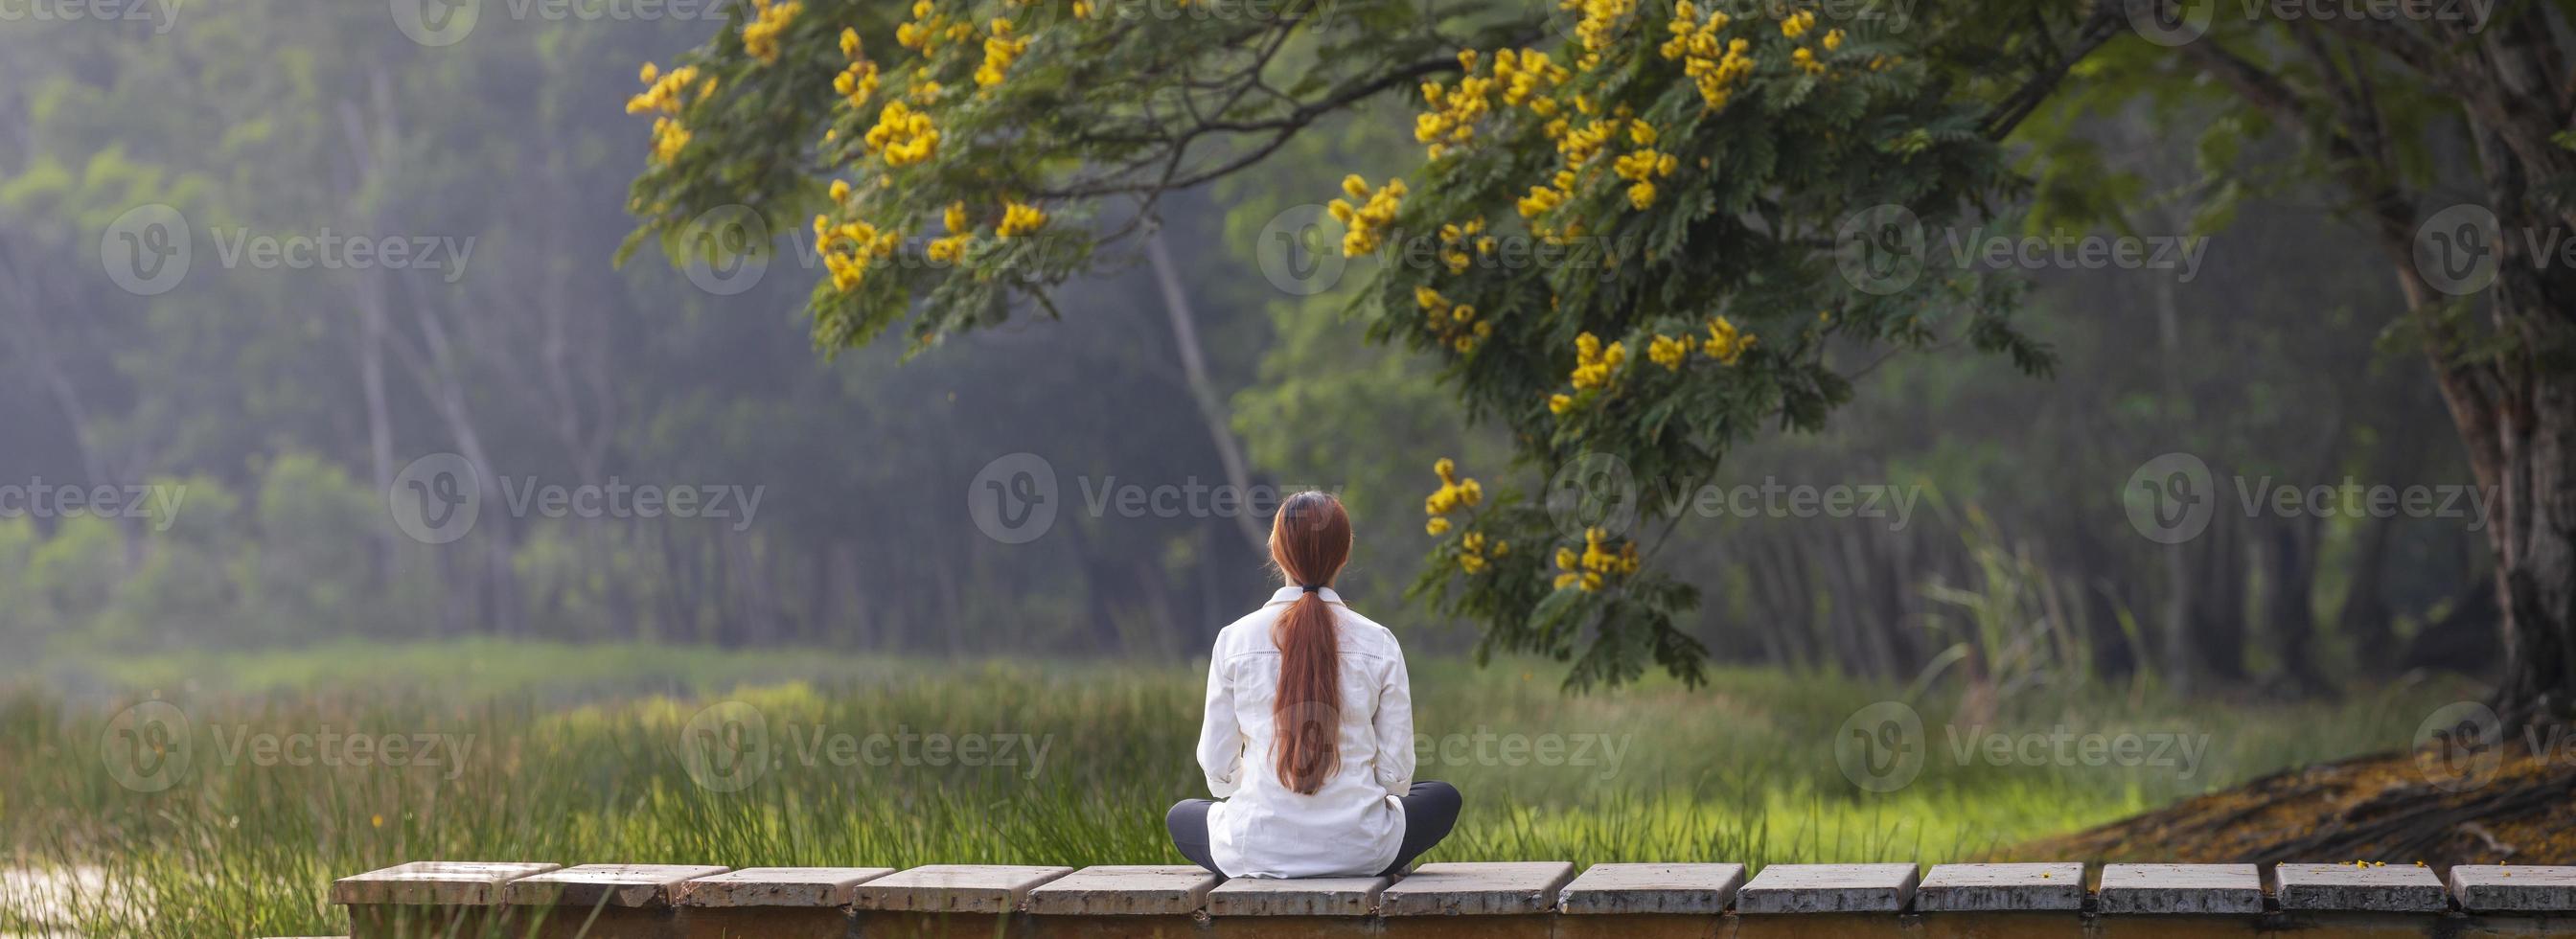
pixel 576 757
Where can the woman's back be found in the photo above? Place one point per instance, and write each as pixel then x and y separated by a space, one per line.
pixel 1308 732
pixel 1346 826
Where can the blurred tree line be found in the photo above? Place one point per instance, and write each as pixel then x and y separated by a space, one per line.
pixel 287 402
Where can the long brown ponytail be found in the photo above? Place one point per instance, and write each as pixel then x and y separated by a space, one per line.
pixel 1309 540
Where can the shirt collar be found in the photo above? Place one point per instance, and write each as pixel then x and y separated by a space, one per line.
pixel 1290 595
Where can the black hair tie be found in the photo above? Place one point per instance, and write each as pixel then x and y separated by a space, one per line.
pixel 1311 588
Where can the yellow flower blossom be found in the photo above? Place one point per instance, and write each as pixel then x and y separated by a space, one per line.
pixel 1020 219
pixel 955 218
pixel 1590 569
pixel 1436 526
pixel 1600 21
pixel 768 19
pixel 663 95
pixel 857 83
pixel 1805 59
pixel 1000 50
pixel 1559 404
pixel 949 250
pixel 1797 24
pixel 1668 351
pixel 1833 39
pixel 1540 201
pixel 851 247
pixel 1454 493
pixel 903 135
pixel 840 190
pixel 668 138
pixel 1368 221
pixel 1725 343
pixel 1595 363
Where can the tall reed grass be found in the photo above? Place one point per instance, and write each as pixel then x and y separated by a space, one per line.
pixel 581 755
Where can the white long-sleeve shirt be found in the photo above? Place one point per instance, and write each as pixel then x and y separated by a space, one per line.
pixel 1351 826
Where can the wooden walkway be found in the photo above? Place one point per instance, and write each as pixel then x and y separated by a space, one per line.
pixel 1528 899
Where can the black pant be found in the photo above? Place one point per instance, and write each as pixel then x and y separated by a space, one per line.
pixel 1430 810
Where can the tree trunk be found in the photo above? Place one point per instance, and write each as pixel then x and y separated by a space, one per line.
pixel 1212 410
pixel 2516 412
pixel 2218 609
pixel 2536 544
pixel 2178 593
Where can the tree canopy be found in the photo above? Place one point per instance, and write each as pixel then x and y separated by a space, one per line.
pixel 1636 237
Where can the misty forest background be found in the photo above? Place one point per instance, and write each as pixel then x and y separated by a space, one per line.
pixel 286 400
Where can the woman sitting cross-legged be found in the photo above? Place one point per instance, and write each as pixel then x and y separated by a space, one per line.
pixel 1315 699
